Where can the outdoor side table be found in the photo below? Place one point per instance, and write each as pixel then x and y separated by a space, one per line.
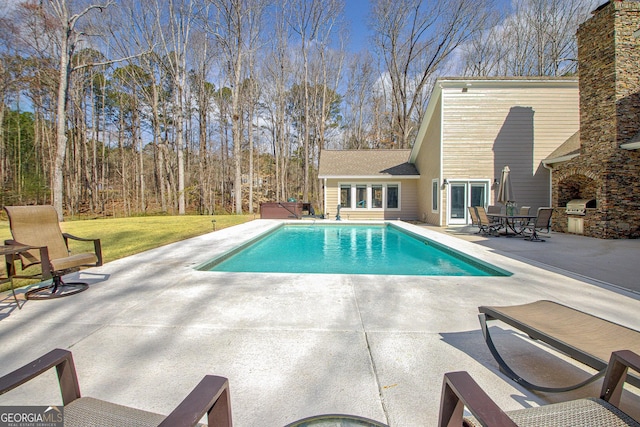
pixel 336 420
pixel 10 252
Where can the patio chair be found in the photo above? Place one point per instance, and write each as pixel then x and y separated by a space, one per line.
pixel 524 210
pixel 494 209
pixel 38 226
pixel 542 223
pixel 486 225
pixel 459 390
pixel 210 396
pixel 473 215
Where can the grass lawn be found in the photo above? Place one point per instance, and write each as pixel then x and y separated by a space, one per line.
pixel 121 237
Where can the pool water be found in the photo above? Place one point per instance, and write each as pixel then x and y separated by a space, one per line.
pixel 349 249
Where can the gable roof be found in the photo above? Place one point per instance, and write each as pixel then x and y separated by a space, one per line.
pixel 366 164
pixel 567 151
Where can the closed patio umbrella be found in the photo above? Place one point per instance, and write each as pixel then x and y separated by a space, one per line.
pixel 505 191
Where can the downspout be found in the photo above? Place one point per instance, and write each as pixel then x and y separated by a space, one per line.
pixel 550 169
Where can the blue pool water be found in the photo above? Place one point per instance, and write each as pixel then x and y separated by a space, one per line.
pixel 349 249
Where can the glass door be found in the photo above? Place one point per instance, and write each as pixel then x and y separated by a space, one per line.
pixel 463 194
pixel 457 203
pixel 478 195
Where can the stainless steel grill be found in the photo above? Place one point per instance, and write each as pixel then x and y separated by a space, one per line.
pixel 580 206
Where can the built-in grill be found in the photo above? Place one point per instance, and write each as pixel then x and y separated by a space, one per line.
pixel 580 206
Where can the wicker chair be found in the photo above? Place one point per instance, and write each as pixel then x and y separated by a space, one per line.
pixel 459 390
pixel 210 396
pixel 38 226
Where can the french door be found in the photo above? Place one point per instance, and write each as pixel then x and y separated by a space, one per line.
pixel 463 194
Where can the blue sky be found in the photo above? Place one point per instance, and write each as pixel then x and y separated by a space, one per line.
pixel 356 14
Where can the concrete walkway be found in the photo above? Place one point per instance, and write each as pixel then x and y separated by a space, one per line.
pixel 294 345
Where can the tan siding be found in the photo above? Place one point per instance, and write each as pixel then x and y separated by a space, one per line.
pixel 331 198
pixel 408 201
pixel 428 164
pixel 486 129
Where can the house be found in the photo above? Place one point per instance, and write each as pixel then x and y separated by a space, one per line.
pixel 369 184
pixel 601 163
pixel 472 128
pixel 563 140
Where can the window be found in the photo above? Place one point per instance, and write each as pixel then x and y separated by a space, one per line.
pixel 435 195
pixel 345 196
pixel 376 196
pixel 369 196
pixel 361 196
pixel 392 196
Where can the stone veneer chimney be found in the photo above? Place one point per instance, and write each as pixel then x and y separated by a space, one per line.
pixel 609 82
pixel 609 67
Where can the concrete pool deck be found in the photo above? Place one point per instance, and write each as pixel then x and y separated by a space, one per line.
pixel 294 345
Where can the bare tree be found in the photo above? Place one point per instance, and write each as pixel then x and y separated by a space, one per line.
pixel 313 21
pixel 537 38
pixel 414 38
pixel 176 31
pixel 237 28
pixel 359 101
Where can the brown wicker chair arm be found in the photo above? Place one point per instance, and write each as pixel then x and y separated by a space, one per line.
pixel 63 362
pixel 459 390
pixel 97 247
pixel 210 396
pixel 616 375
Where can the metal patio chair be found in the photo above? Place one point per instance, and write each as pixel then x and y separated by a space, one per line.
pixel 487 226
pixel 542 223
pixel 210 397
pixel 38 226
pixel 473 215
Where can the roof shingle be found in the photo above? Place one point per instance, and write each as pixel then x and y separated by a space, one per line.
pixel 365 163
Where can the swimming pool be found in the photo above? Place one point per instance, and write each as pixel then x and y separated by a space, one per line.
pixel 349 249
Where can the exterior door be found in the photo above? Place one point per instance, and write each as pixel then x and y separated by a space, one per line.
pixel 458 203
pixel 463 194
pixel 478 195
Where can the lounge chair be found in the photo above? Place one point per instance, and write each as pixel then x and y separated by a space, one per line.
pixel 582 336
pixel 486 225
pixel 210 396
pixel 459 390
pixel 540 223
pixel 38 226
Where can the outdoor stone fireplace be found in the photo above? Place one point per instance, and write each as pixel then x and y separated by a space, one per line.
pixel 607 168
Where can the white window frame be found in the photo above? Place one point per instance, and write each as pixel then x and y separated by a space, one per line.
pixel 435 195
pixel 369 196
pixel 468 183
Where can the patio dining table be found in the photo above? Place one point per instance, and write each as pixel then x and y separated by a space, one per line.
pixel 514 223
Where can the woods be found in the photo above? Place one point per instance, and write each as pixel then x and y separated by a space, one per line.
pixel 121 107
